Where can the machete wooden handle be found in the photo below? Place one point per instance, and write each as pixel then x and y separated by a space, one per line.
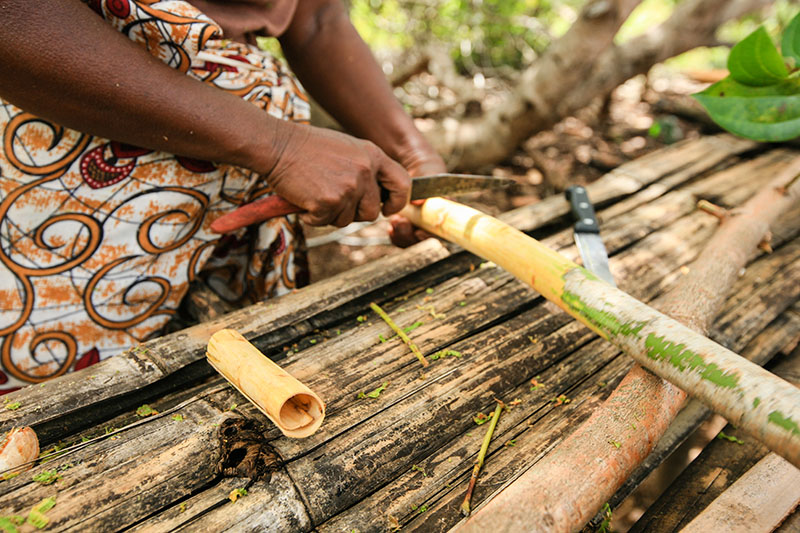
pixel 261 210
pixel 253 213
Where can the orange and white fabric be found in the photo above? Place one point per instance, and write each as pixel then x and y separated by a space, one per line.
pixel 100 240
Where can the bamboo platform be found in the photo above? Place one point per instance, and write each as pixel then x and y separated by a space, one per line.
pixel 404 459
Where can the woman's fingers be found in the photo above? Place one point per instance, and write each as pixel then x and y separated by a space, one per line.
pixel 394 178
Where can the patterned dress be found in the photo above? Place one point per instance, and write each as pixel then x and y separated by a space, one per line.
pixel 99 240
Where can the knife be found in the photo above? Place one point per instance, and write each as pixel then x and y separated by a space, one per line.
pixel 422 187
pixel 587 234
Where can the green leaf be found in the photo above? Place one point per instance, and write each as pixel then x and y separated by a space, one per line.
pixel 47 477
pixel 481 419
pixel 755 61
pixel 38 519
pixel 790 45
pixel 45 505
pixel 145 410
pixel 8 525
pixel 723 436
pixel 374 394
pixel 769 114
pixel 412 327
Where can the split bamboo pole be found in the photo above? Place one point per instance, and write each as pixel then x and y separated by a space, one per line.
pixel 750 397
pixel 292 406
pixel 547 497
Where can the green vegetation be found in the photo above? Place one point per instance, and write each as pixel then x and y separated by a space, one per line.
pixel 145 410
pixel 760 99
pixel 488 36
pixel 374 394
pixel 723 436
pixel 47 477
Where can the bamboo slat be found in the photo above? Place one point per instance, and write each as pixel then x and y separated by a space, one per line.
pixel 414 445
pixel 78 397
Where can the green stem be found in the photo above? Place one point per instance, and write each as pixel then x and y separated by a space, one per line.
pixel 465 508
pixel 400 333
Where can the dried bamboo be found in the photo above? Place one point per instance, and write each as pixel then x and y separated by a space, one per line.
pixel 746 394
pixel 758 501
pixel 292 406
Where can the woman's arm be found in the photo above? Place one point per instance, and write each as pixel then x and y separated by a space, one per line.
pixel 64 63
pixel 339 71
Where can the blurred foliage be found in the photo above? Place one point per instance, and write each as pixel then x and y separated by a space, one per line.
pixel 648 14
pixel 487 34
pixel 482 34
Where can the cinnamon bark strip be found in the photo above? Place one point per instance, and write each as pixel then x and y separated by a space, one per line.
pixel 549 497
pixel 292 406
pixel 755 400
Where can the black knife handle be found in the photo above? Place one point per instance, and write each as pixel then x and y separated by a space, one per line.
pixel 582 210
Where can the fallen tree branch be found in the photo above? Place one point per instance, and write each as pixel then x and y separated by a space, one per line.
pixel 582 65
pixel 548 497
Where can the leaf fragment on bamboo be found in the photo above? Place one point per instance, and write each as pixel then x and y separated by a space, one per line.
pixel 399 331
pixel 465 507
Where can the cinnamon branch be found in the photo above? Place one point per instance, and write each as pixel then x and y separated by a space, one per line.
pixel 465 508
pixel 400 333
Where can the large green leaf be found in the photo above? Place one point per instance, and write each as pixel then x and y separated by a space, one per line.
pixel 790 45
pixel 755 61
pixel 760 113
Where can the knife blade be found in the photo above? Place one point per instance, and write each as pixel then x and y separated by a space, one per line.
pixel 587 234
pixel 445 184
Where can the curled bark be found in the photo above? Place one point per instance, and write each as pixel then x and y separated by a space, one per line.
pixel 549 496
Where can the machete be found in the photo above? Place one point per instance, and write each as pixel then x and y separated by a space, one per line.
pixel 422 187
pixel 587 234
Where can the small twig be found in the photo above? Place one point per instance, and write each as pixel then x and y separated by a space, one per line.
pixel 712 209
pixel 465 508
pixel 400 333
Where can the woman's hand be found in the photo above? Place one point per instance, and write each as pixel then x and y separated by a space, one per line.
pixel 418 162
pixel 335 178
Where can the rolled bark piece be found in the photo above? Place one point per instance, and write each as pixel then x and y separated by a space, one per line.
pixel 18 447
pixel 750 397
pixel 291 405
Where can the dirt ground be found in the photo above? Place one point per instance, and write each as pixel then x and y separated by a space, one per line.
pixel 641 116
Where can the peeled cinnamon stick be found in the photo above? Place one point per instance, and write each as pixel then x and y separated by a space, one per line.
pixel 291 405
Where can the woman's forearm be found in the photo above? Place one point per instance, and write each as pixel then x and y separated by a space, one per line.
pixel 338 69
pixel 72 68
pixel 64 63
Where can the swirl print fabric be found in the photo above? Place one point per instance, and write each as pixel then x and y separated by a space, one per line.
pixel 99 240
